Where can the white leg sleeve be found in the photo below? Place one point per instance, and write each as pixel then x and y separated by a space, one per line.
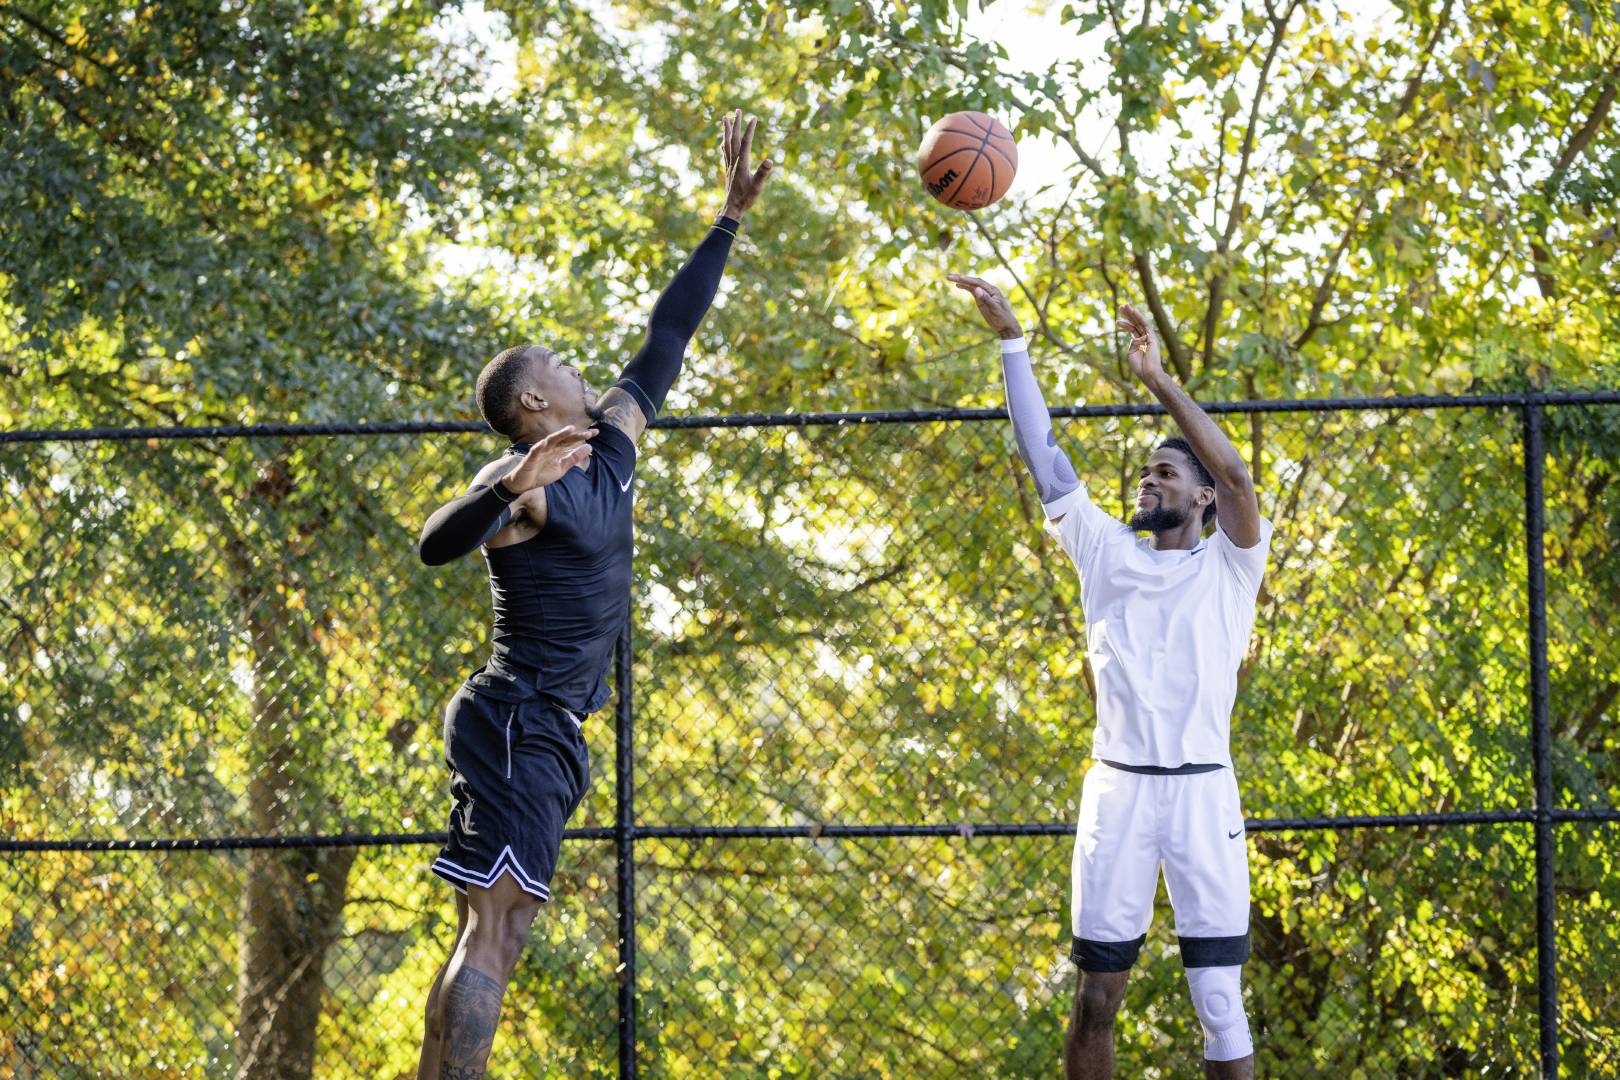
pixel 1217 994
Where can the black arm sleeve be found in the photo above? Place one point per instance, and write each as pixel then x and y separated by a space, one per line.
pixel 462 525
pixel 675 318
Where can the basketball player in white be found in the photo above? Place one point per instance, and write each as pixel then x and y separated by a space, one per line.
pixel 1168 619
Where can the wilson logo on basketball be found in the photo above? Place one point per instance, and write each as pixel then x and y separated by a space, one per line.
pixel 943 182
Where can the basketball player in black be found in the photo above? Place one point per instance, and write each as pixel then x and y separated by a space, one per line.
pixel 552 515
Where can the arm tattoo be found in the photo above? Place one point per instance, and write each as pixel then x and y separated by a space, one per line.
pixel 471 1011
pixel 621 417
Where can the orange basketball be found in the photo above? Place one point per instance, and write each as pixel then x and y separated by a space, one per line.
pixel 968 160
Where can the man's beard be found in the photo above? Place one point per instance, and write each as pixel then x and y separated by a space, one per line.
pixel 594 411
pixel 1160 518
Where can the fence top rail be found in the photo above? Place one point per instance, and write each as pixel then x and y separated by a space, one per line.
pixel 1402 403
pixel 829 831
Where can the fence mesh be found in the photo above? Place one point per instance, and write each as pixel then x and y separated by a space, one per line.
pixel 858 624
pixel 129 964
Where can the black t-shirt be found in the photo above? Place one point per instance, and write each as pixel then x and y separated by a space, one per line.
pixel 562 596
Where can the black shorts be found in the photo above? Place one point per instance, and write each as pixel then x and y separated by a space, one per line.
pixel 518 770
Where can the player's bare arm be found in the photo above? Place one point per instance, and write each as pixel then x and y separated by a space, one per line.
pixel 1236 506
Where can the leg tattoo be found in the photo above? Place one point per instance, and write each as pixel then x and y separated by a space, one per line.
pixel 471 1009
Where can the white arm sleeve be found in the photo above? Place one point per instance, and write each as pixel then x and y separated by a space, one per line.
pixel 1032 426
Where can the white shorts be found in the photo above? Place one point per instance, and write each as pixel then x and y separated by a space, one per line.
pixel 1131 824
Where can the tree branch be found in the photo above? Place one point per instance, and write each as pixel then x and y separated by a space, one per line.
pixel 1324 288
pixel 1589 721
pixel 1161 316
pixel 1594 120
pixel 1415 83
pixel 1217 285
pixel 1540 247
pixel 1047 331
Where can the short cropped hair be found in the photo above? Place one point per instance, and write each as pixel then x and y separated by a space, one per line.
pixel 1205 478
pixel 498 387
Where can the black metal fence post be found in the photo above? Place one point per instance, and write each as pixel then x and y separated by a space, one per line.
pixel 1541 736
pixel 624 838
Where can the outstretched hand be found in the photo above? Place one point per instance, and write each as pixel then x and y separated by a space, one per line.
pixel 995 309
pixel 550 459
pixel 736 141
pixel 1144 355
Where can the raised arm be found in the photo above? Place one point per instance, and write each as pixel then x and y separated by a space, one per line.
pixel 509 490
pixel 1031 420
pixel 1237 508
pixel 638 395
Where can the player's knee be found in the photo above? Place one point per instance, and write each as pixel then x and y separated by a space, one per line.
pixel 436 1002
pixel 434 1024
pixel 1098 1001
pixel 500 931
pixel 435 1013
pixel 513 925
pixel 1217 994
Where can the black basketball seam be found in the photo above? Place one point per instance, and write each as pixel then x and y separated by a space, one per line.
pixel 990 130
pixel 991 162
pixel 992 125
pixel 1004 155
pixel 946 157
pixel 961 183
pixel 989 126
pixel 959 131
pixel 969 172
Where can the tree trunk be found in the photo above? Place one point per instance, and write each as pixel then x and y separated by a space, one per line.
pixel 292 905
pixel 292 911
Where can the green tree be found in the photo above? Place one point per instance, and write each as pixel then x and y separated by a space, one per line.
pixel 222 215
pixel 213 223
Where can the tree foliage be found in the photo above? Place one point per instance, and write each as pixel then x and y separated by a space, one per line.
pixel 287 212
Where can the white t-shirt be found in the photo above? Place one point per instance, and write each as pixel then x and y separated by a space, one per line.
pixel 1165 633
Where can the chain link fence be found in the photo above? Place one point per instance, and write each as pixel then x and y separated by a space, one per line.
pixel 832 804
